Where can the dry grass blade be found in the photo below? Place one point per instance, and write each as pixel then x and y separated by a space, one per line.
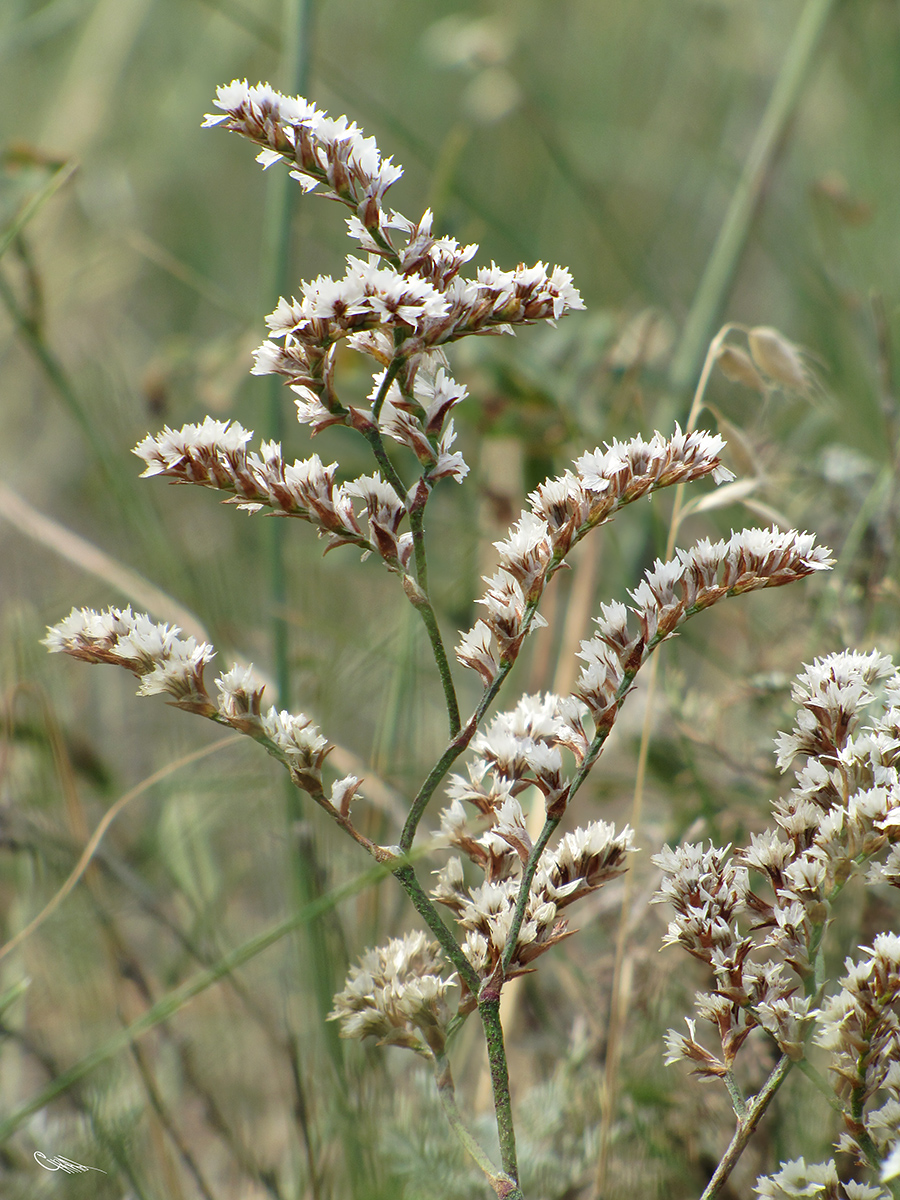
pixel 60 176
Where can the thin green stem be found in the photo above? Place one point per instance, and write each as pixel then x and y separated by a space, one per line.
pixel 534 858
pixel 389 376
pixel 422 604
pixel 501 1183
pixel 551 823
pixel 62 174
pixel 418 596
pixel 738 1103
pixel 857 1116
pixel 423 607
pixel 373 436
pixel 746 1127
pixel 456 747
pixel 821 1084
pixel 406 877
pixel 488 995
pixel 489 1011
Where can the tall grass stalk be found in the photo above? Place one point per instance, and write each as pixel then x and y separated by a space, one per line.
pixel 723 260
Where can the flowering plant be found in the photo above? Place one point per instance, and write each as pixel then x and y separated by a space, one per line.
pixel 402 304
pixel 766 953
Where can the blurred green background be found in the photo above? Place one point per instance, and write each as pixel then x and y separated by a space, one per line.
pixel 611 137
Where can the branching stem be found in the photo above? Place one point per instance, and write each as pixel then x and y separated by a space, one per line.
pixel 499 1181
pixel 406 876
pixel 746 1126
pixel 456 747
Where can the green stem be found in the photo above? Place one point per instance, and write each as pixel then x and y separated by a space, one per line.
pixel 861 1091
pixel 501 1183
pixel 62 174
pixel 746 1127
pixel 389 376
pixel 423 606
pixel 738 1103
pixel 373 436
pixel 821 1084
pixel 857 1115
pixel 416 511
pixel 525 888
pixel 489 1011
pixel 406 877
pixel 722 263
pixel 452 753
pixel 506 1186
pixel 551 822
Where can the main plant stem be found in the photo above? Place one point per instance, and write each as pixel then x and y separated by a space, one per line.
pixel 499 1181
pixel 489 1011
pixel 506 1184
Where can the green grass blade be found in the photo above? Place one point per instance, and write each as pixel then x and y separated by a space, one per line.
pixel 172 1003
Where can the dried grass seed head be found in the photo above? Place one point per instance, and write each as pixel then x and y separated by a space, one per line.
pixel 737 367
pixel 780 360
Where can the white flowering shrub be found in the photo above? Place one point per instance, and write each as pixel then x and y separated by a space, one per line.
pixel 502 898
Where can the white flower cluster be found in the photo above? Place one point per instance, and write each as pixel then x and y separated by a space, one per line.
pixel 396 305
pixel 417 296
pixel 213 454
pixel 398 994
pixel 323 150
pixel 418 422
pixel 818 1180
pixel 581 862
pixel 400 304
pixel 562 511
pixel 519 749
pixel 164 662
pixel 842 819
pixel 168 664
pixel 860 1027
pixel 673 591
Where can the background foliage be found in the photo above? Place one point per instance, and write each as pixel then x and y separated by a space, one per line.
pixel 606 136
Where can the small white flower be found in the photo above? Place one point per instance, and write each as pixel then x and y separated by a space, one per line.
pixel 475 650
pixel 796 1179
